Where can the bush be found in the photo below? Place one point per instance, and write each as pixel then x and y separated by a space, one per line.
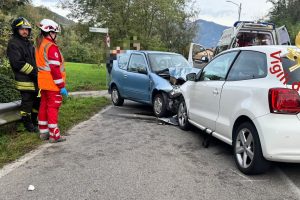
pixel 5 69
pixel 7 84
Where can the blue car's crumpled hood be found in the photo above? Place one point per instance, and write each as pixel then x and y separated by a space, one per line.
pixel 180 73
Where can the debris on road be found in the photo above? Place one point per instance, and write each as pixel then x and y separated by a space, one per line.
pixel 169 120
pixel 31 188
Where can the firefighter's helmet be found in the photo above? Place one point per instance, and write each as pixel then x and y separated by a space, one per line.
pixel 20 23
pixel 48 25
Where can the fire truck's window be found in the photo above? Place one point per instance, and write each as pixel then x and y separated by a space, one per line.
pixel 244 39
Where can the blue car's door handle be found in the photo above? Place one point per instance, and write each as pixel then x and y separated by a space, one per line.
pixel 125 76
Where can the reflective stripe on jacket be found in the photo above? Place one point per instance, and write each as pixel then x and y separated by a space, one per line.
pixel 45 79
pixel 25 86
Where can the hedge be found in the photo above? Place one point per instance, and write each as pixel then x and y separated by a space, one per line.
pixel 8 93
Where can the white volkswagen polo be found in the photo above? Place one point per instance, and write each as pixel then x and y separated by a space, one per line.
pixel 249 98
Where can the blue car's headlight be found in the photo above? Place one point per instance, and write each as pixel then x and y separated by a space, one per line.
pixel 175 91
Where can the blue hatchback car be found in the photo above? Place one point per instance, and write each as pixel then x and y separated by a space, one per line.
pixel 149 77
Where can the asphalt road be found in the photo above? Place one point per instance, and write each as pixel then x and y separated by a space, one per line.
pixel 125 153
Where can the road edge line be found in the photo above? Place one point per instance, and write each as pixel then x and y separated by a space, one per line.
pixel 28 156
pixel 290 183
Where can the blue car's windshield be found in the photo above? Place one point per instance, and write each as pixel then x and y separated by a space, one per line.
pixel 161 61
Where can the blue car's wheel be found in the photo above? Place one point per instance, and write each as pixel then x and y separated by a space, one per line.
pixel 115 97
pixel 160 105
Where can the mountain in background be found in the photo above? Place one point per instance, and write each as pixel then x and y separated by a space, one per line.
pixel 46 13
pixel 208 33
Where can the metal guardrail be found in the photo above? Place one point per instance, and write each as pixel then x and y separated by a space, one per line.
pixel 9 112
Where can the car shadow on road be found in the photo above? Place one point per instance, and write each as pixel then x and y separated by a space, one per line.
pixel 133 110
pixel 218 146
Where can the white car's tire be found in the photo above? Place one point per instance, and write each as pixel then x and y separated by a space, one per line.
pixel 247 150
pixel 182 116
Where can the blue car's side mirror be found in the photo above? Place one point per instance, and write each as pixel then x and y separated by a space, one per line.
pixel 142 70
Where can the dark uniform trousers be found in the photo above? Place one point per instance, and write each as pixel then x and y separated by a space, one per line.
pixel 30 103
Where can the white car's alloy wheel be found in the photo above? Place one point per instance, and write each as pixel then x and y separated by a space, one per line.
pixel 244 148
pixel 182 115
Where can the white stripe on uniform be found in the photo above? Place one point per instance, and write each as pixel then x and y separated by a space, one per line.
pixel 52 125
pixel 54 62
pixel 58 81
pixel 42 122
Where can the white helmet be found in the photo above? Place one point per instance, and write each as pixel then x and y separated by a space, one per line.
pixel 48 25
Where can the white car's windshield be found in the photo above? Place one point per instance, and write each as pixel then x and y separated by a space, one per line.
pixel 159 61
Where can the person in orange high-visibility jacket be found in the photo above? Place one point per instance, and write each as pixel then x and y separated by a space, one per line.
pixel 51 80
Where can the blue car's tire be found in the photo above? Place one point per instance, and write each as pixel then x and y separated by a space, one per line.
pixel 116 97
pixel 160 105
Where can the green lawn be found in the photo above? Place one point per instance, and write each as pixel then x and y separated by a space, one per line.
pixel 83 77
pixel 15 142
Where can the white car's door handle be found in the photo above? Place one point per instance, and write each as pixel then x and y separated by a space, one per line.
pixel 216 92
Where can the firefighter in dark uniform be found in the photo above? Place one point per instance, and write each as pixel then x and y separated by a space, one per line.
pixel 21 54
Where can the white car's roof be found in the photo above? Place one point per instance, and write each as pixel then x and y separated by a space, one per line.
pixel 264 48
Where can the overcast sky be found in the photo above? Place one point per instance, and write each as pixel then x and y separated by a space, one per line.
pixel 218 11
pixel 226 13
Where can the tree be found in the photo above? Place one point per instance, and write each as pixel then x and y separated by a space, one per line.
pixel 158 24
pixel 8 6
pixel 285 12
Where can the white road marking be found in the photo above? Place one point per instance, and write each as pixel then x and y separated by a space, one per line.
pixel 10 167
pixel 289 182
pixel 241 175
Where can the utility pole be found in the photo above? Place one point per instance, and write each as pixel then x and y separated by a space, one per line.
pixel 239 5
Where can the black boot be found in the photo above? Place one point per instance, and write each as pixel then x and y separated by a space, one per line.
pixel 34 119
pixel 26 119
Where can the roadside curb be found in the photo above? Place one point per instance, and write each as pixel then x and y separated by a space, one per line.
pixel 99 93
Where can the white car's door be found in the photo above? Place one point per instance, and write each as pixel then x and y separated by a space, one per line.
pixel 204 94
pixel 243 92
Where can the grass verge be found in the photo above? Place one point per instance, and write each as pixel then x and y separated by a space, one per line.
pixel 82 76
pixel 15 142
